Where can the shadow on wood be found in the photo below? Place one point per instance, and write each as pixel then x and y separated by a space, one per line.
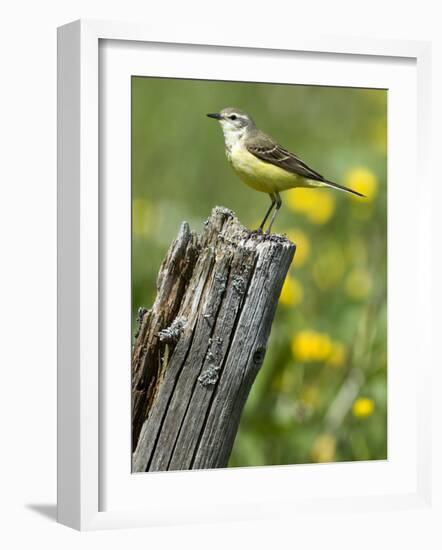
pixel 199 348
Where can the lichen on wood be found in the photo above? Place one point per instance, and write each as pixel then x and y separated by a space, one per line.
pixel 200 346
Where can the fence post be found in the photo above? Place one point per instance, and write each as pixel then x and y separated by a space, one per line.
pixel 199 348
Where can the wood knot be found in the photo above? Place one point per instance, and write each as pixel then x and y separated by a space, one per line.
pixel 258 356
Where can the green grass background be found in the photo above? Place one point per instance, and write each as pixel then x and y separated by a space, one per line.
pixel 321 394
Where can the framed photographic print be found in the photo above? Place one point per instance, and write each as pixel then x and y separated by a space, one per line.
pixel 234 236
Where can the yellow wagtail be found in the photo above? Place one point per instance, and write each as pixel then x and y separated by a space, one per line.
pixel 263 164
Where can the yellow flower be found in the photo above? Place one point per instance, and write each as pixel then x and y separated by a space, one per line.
pixel 363 407
pixel 358 284
pixel 338 355
pixel 301 200
pixel 324 448
pixel 302 246
pixel 317 205
pixel 323 209
pixel 363 180
pixel 292 292
pixel 329 267
pixel 309 345
pixel 141 217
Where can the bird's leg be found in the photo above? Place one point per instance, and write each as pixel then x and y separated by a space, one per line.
pixel 275 212
pixel 273 199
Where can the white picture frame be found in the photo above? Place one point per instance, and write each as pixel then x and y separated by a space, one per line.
pixel 83 446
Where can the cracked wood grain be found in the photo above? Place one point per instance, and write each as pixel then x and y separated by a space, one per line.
pixel 200 347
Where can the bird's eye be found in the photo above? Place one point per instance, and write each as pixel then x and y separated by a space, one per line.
pixel 233 117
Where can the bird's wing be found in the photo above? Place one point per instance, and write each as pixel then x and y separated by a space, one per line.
pixel 263 147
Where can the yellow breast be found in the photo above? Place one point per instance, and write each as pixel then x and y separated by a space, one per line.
pixel 262 176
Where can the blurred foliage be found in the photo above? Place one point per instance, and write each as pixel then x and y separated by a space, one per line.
pixel 321 394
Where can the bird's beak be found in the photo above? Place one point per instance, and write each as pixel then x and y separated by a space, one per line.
pixel 216 116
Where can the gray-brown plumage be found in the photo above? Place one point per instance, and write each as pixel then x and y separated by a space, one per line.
pixel 263 164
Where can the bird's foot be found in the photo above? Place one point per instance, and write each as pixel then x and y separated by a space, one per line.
pixel 256 231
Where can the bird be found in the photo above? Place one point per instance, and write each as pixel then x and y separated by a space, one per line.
pixel 263 164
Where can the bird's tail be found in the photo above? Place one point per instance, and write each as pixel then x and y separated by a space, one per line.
pixel 342 188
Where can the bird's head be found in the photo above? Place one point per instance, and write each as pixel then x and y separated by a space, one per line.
pixel 233 120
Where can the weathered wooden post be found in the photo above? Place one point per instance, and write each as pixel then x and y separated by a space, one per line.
pixel 201 345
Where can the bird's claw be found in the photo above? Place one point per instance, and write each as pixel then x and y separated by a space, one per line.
pixel 256 231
